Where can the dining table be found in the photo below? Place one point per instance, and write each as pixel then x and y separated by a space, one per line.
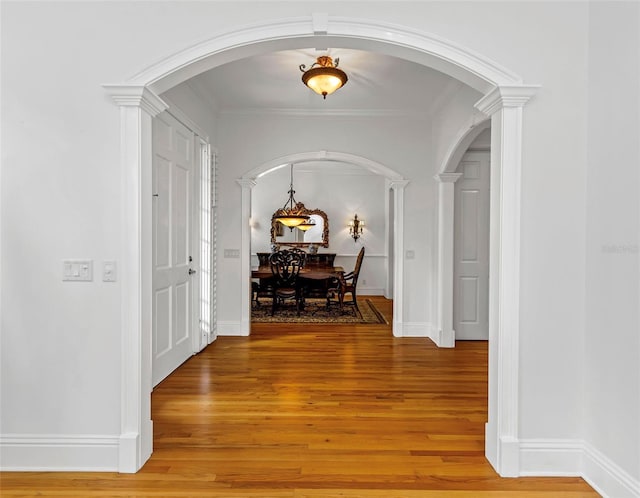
pixel 313 280
pixel 310 272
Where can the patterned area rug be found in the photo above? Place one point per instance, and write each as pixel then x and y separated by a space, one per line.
pixel 315 311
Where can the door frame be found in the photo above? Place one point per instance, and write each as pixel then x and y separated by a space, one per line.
pixel 505 96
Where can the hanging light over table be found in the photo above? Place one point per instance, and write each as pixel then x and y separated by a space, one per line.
pixel 323 77
pixel 291 214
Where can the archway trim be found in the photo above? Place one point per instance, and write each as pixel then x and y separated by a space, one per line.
pixel 427 49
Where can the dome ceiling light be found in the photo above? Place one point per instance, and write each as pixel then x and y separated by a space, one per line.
pixel 323 77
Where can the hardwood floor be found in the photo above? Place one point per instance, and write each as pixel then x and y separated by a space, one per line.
pixel 317 411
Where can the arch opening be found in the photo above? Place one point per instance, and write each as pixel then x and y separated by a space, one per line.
pixel 505 95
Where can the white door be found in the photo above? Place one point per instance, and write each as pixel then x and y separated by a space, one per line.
pixel 173 177
pixel 471 249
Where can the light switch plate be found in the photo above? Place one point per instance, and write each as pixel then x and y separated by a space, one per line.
pixel 77 270
pixel 109 271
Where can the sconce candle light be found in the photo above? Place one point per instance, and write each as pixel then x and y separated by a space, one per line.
pixel 356 227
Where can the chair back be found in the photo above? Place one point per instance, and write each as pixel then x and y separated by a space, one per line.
pixel 356 270
pixel 286 266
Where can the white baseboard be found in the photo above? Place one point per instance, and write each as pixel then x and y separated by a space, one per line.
pixel 554 457
pixel 418 329
pixel 232 329
pixel 606 477
pixel 574 458
pixel 44 453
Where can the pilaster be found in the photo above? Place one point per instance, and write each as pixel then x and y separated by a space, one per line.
pixel 445 335
pixel 398 187
pixel 505 106
pixel 138 106
pixel 245 254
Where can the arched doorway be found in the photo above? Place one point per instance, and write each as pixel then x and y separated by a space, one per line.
pixel 394 181
pixel 504 98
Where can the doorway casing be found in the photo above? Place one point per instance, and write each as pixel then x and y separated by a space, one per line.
pixel 504 98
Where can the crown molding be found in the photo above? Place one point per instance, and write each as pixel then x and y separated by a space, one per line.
pixel 447 177
pixel 358 113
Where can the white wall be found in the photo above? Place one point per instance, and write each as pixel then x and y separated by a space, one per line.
pixel 612 366
pixel 61 199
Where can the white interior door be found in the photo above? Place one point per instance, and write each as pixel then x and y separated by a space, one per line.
pixel 173 289
pixel 471 249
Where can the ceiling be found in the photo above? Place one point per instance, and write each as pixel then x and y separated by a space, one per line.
pixel 378 84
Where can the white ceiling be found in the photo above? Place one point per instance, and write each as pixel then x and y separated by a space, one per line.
pixel 378 84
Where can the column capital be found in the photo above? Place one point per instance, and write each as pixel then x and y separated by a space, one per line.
pixel 447 177
pixel 246 183
pixel 136 96
pixel 398 184
pixel 506 96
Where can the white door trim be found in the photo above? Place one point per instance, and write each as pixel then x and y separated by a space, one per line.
pixel 504 99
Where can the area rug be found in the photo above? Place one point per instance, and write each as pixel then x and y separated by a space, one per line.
pixel 315 311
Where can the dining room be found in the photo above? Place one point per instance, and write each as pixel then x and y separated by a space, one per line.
pixel 344 209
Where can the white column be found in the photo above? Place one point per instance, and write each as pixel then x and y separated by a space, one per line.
pixel 137 108
pixel 245 255
pixel 505 106
pixel 398 187
pixel 446 195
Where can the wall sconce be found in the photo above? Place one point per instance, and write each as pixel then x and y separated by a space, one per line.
pixel 356 227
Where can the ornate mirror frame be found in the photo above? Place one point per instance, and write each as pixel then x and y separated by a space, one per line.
pixel 276 228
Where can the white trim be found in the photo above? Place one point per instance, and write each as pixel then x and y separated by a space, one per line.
pixel 606 477
pixel 504 275
pixel 398 187
pixel 231 329
pixel 550 457
pixel 423 330
pixel 465 138
pixel 59 452
pixel 137 107
pixel 323 155
pixel 445 336
pixel 574 457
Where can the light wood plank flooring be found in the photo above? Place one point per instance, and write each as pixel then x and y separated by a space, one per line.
pixel 316 411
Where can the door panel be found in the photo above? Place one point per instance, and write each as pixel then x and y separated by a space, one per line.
pixel 471 249
pixel 173 177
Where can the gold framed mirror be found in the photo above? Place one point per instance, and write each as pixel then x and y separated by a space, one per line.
pixel 317 235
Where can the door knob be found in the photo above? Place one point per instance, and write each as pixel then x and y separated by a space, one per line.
pixel 191 272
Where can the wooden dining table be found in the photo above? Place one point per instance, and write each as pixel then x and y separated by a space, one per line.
pixel 314 280
pixel 310 272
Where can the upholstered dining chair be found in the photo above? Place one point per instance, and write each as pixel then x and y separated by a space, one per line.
pixel 285 268
pixel 348 284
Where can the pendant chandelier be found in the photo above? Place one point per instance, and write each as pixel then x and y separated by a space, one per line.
pixel 323 77
pixel 291 214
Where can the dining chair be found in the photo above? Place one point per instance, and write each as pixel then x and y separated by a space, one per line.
pixel 285 268
pixel 347 284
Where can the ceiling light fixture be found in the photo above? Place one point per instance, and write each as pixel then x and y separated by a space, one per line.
pixel 323 77
pixel 291 214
